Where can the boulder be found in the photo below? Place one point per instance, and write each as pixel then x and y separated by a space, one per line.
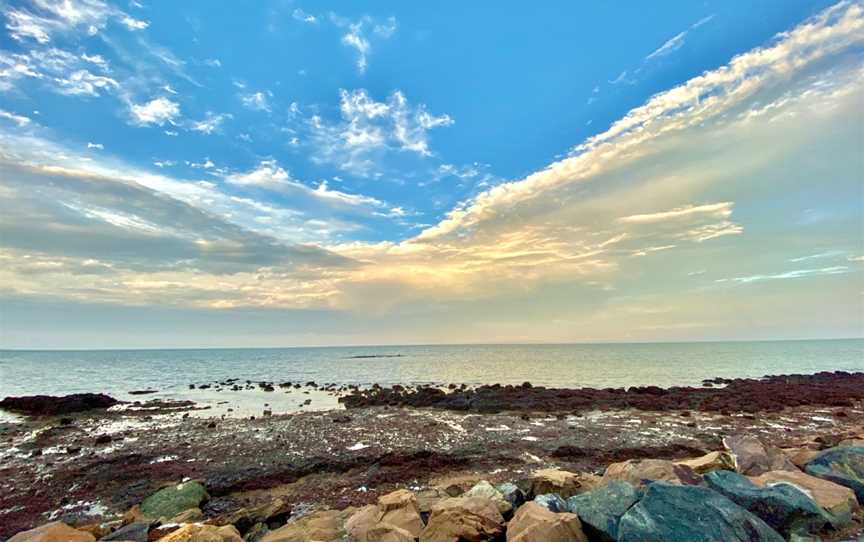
pixel 785 508
pixel 642 471
pixel 134 532
pixel 365 526
pixel 195 532
pixel 48 405
pixel 485 490
pixel 322 526
pixel 601 509
pixel 842 465
pixel 256 533
pixel 753 458
pixel 710 462
pixel 401 510
pixel 837 500
pixel 533 523
pixel 463 519
pixel 170 501
pixel 53 532
pixel 800 456
pixel 562 482
pixel 674 513
pixel 552 502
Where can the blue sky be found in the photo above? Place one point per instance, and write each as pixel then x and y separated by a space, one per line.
pixel 385 172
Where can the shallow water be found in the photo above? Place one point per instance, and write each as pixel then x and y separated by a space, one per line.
pixel 574 365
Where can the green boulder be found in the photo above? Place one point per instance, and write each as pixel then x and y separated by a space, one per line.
pixel 170 501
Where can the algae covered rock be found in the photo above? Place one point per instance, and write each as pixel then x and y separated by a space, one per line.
pixel 784 507
pixel 837 500
pixel 841 465
pixel 170 501
pixel 675 513
pixel 600 509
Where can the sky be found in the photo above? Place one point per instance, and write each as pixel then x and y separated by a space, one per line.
pixel 293 173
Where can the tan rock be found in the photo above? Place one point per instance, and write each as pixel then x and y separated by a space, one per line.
pixel 396 517
pixel 463 519
pixel 710 462
pixel 837 499
pixel 562 482
pixel 323 526
pixel 364 526
pixel 53 532
pixel 640 471
pixel 98 530
pixel 534 523
pixel 195 532
pixel 800 456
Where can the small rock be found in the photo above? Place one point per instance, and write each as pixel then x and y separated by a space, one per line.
pixel 134 532
pixel 195 532
pixel 552 502
pixel 170 501
pixel 710 462
pixel 753 458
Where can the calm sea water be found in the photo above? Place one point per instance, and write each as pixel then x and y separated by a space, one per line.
pixel 596 365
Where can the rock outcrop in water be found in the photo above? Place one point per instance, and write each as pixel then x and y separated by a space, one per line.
pixel 49 405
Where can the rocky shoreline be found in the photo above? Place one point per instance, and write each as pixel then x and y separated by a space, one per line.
pixel 88 469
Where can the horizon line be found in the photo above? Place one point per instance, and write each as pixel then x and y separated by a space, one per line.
pixel 414 345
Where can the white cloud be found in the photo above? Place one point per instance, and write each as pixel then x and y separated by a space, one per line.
pixel 157 111
pixel 84 83
pixel 98 146
pixel 211 123
pixel 257 101
pixel 134 24
pixel 213 62
pixel 357 37
pixel 41 20
pixel 268 174
pixel 20 120
pixel 368 126
pixel 61 71
pixel 301 15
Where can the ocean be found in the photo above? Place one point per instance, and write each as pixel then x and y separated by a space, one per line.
pixel 116 372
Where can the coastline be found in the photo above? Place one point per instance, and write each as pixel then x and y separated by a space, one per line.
pixel 92 466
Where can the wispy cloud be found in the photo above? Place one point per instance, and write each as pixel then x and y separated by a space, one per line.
pixel 256 101
pixel 676 42
pixel 359 34
pixel 795 274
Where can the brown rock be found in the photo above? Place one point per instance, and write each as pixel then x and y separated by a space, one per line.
pixel 98 530
pixel 534 523
pixel 837 499
pixel 753 458
pixel 323 526
pixel 800 456
pixel 460 519
pixel 203 533
pixel 53 532
pixel 395 517
pixel 562 482
pixel 640 471
pixel 710 462
pixel 188 516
